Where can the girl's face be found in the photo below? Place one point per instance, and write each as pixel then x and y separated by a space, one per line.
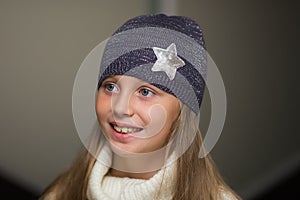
pixel 135 116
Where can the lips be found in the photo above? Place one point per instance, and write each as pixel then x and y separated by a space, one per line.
pixel 124 128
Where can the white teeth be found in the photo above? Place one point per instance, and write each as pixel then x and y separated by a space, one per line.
pixel 117 128
pixel 126 130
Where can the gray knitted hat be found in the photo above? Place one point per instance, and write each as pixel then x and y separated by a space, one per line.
pixel 165 51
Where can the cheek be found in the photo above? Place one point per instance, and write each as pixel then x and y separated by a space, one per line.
pixel 158 119
pixel 102 106
pixel 172 112
pixel 154 119
pixel 141 111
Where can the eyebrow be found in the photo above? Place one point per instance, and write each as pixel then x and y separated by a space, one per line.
pixel 113 78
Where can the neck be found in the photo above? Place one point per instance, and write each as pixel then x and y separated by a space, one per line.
pixel 140 166
pixel 121 174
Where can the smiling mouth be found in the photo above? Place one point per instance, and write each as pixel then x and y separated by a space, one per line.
pixel 125 130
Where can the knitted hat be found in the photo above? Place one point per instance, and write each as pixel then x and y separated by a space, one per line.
pixel 165 51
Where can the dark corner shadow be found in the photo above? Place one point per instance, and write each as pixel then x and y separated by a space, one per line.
pixel 14 190
pixel 287 188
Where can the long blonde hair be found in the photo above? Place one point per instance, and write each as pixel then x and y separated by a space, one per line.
pixel 197 178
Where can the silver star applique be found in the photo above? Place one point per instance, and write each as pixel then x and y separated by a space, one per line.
pixel 167 61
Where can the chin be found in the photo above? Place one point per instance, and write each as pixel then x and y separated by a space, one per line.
pixel 122 149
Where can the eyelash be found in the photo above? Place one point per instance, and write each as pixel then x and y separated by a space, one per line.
pixel 148 90
pixel 140 91
pixel 107 85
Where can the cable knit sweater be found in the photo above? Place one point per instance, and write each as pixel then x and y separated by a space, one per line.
pixel 104 187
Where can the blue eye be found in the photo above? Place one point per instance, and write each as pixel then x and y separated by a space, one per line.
pixel 146 92
pixel 110 87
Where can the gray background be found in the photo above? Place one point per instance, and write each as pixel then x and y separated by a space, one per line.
pixel 253 43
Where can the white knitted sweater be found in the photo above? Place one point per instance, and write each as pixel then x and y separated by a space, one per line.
pixel 105 187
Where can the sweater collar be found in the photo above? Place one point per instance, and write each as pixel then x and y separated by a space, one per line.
pixel 101 186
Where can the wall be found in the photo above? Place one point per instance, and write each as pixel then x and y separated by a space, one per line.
pixel 255 47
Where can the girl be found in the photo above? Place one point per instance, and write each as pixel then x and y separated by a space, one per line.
pixel 150 88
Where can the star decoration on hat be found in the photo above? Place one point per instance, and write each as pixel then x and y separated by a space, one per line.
pixel 167 61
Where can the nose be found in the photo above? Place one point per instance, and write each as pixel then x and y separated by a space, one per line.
pixel 122 105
